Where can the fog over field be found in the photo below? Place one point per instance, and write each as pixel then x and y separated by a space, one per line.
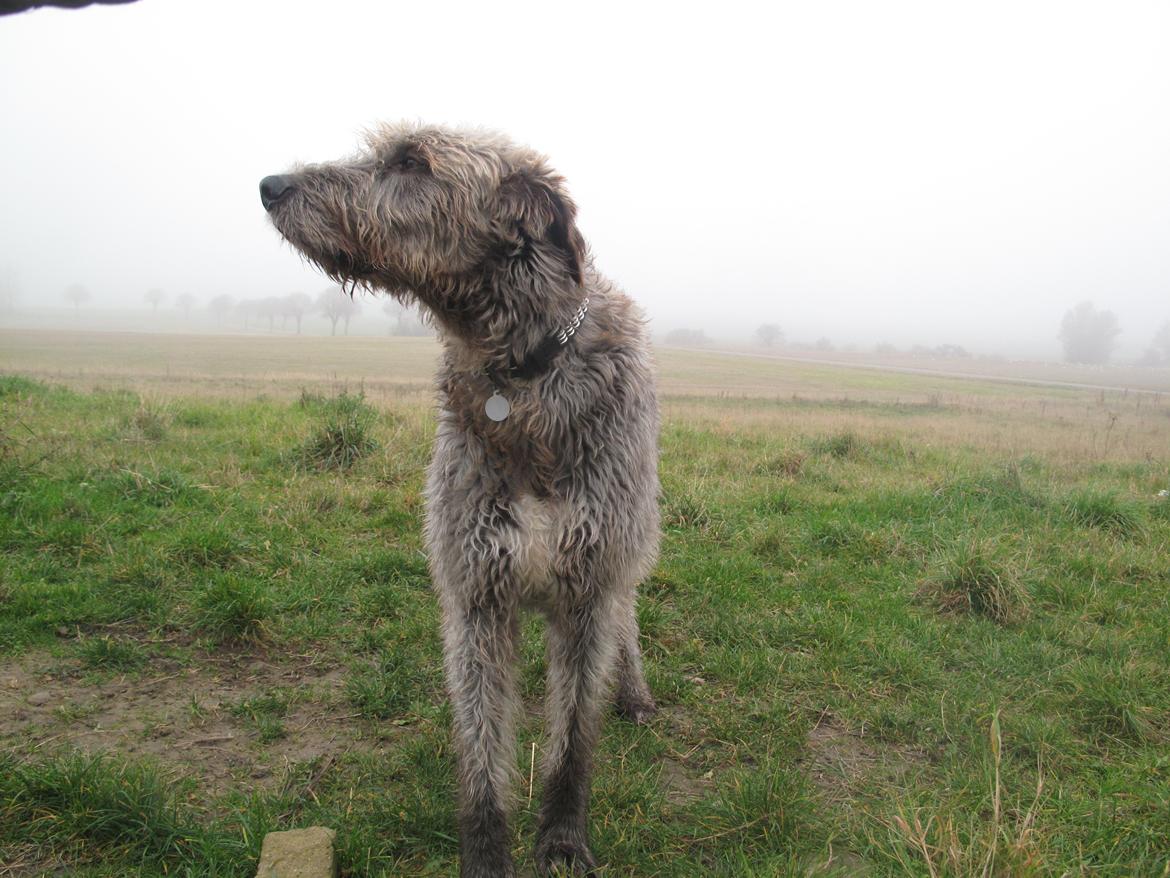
pixel 907 173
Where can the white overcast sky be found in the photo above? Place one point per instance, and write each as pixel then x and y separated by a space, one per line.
pixel 908 172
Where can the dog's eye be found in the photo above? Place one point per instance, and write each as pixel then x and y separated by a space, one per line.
pixel 404 163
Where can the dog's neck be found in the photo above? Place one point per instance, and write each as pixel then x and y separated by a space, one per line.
pixel 511 333
pixel 541 358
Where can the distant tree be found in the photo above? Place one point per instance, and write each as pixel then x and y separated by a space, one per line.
pixel 952 352
pixel 1151 357
pixel 155 297
pixel 1161 341
pixel 395 310
pixel 185 301
pixel 406 319
pixel 823 344
pixel 1088 335
pixel 337 305
pixel 269 308
pixel 769 334
pixel 415 323
pixel 77 295
pixel 295 305
pixel 884 348
pixel 687 338
pixel 247 308
pixel 220 306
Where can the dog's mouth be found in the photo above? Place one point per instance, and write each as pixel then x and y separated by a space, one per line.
pixel 350 265
pixel 345 268
pixel 338 263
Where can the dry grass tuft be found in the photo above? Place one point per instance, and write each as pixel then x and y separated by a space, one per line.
pixel 953 846
pixel 978 576
pixel 345 434
pixel 1105 511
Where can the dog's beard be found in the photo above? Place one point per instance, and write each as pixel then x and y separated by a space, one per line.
pixel 349 271
pixel 321 246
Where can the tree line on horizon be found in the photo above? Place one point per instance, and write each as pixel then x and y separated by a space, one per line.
pixel 339 308
pixel 1088 336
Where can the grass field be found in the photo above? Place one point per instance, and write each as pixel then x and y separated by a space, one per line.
pixel 901 624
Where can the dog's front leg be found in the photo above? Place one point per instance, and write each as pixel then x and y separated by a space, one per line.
pixel 480 636
pixel 582 645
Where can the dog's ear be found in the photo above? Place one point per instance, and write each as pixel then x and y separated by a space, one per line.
pixel 538 209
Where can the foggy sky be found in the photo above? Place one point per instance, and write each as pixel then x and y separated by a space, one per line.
pixel 900 172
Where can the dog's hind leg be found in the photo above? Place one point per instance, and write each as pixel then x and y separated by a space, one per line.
pixel 632 698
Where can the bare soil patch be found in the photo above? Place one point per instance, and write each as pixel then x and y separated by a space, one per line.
pixel 181 715
pixel 841 763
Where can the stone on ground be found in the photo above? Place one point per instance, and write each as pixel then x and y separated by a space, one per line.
pixel 298 853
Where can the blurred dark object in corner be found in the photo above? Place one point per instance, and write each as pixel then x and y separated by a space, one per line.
pixel 7 7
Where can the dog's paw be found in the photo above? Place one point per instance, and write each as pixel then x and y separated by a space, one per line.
pixel 561 857
pixel 499 871
pixel 637 710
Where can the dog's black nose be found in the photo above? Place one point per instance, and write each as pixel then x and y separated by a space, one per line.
pixel 274 189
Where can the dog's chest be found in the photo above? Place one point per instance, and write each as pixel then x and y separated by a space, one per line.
pixel 534 544
pixel 525 449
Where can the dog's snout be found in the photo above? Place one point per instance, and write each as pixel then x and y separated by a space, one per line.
pixel 275 189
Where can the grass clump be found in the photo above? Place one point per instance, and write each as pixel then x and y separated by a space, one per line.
pixel 684 511
pixel 999 490
pixel 788 464
pixel 209 547
pixel 112 654
pixel 196 416
pixel 779 502
pixel 150 421
pixel 1161 508
pixel 1113 702
pixel 265 713
pixel 162 488
pixel 1104 511
pixel 976 576
pixel 845 444
pixel 232 608
pixel 345 434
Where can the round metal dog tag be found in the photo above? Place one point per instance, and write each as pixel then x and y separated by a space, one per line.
pixel 497 407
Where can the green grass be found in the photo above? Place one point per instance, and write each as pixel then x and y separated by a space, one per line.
pixel 876 651
pixel 95 810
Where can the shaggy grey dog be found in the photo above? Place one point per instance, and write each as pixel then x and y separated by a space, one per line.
pixel 543 488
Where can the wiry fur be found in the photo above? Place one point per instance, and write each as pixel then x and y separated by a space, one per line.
pixel 554 507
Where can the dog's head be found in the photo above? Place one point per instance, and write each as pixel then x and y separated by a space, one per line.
pixel 429 211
